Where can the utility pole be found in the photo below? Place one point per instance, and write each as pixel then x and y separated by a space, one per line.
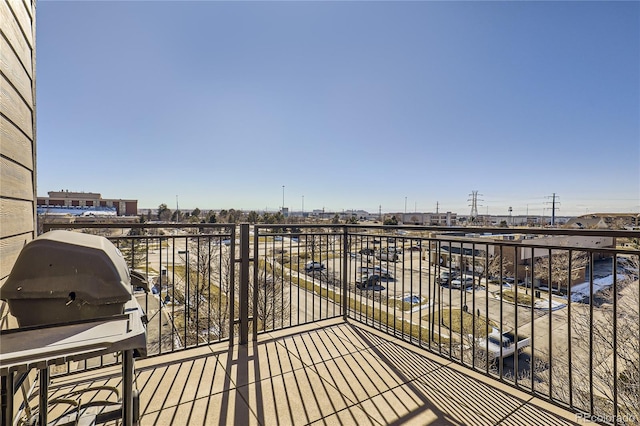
pixel 553 208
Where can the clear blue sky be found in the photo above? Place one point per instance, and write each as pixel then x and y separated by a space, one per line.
pixel 349 105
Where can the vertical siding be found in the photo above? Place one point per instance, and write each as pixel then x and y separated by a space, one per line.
pixel 17 134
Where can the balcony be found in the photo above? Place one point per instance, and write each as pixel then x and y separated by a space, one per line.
pixel 330 372
pixel 240 332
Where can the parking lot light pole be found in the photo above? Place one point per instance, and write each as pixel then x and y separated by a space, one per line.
pixel 526 279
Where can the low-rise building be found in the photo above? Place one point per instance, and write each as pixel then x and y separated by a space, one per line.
pixel 458 252
pixel 87 200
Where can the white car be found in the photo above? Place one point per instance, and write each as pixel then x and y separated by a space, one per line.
pixel 463 282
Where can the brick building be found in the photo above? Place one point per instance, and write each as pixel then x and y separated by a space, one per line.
pixel 88 200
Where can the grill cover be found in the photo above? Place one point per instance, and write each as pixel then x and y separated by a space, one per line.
pixel 64 276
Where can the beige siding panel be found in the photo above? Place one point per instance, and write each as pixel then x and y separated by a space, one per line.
pixel 15 145
pixel 29 6
pixel 13 33
pixel 16 110
pixel 17 133
pixel 10 248
pixel 17 182
pixel 24 19
pixel 21 213
pixel 12 69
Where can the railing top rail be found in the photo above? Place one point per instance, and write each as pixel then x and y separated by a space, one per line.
pixel 154 225
pixel 465 230
pixel 442 230
pixel 507 231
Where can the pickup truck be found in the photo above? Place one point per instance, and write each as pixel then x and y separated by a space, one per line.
pixel 507 340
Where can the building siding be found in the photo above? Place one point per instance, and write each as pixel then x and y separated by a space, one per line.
pixel 17 133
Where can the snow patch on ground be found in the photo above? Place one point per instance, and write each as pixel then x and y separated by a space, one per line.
pixel 582 291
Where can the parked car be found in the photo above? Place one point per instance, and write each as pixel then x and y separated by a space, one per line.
pixel 375 270
pixel 462 282
pixel 415 248
pixel 392 249
pixel 391 257
pixel 446 277
pixel 367 280
pixel 313 266
pixel 367 251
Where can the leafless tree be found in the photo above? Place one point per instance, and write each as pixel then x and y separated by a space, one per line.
pixel 204 257
pixel 209 284
pixel 501 262
pixel 592 359
pixel 558 264
pixel 599 362
pixel 313 243
pixel 272 303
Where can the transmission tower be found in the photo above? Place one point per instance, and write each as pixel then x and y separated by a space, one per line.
pixel 474 205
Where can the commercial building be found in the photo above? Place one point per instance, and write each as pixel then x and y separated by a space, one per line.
pixel 429 219
pixel 87 200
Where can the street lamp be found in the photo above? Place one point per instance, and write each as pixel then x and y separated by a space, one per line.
pixel 526 279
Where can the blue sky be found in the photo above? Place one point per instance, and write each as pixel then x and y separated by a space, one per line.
pixel 349 105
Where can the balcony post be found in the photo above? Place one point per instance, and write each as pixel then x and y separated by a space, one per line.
pixel 243 297
pixel 345 273
pixel 43 400
pixel 127 388
pixel 6 402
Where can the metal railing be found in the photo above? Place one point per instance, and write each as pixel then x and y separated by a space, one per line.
pixel 552 312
